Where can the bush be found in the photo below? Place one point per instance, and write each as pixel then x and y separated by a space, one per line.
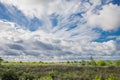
pixel 111 77
pixel 1 60
pixel 10 75
pixel 92 61
pixel 101 63
pixel 117 63
pixel 46 78
pixel 27 76
pixel 97 78
pixel 100 78
pixel 83 62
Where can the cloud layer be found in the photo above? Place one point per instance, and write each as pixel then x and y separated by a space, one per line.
pixel 67 31
pixel 18 44
pixel 107 18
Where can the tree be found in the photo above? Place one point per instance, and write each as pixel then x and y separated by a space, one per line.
pixel 1 60
pixel 92 61
pixel 83 62
pixel 101 63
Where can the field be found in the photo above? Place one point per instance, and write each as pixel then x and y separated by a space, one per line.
pixel 76 70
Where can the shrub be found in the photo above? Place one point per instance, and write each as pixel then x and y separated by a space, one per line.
pixel 92 61
pixel 10 75
pixel 101 63
pixel 1 60
pixel 27 76
pixel 112 78
pixel 99 78
pixel 83 62
pixel 68 62
pixel 46 78
pixel 117 63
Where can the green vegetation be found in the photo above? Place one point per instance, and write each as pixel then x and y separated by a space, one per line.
pixel 101 63
pixel 70 70
pixel 1 60
pixel 9 75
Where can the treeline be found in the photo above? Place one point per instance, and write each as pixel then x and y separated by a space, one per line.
pixel 93 62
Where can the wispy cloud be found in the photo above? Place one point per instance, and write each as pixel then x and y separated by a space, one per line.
pixel 67 30
pixel 19 43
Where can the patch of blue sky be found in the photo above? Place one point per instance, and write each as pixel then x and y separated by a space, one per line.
pixel 71 27
pixel 117 2
pixel 18 17
pixel 34 24
pixel 105 35
pixel 72 21
pixel 54 19
pixel 99 6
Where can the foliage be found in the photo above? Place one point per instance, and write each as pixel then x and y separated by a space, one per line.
pixel 83 62
pixel 10 75
pixel 92 61
pixel 101 63
pixel 27 76
pixel 72 70
pixel 97 78
pixel 46 78
pixel 1 60
pixel 117 62
pixel 112 77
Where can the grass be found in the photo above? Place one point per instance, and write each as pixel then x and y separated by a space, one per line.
pixel 76 70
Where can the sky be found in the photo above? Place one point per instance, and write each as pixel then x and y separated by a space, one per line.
pixel 59 30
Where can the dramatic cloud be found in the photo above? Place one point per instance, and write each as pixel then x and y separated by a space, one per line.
pixel 20 44
pixel 107 18
pixel 68 30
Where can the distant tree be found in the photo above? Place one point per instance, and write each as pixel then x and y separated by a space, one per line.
pixel 1 60
pixel 41 62
pixel 83 62
pixel 92 61
pixel 68 62
pixel 75 61
pixel 20 62
pixel 101 63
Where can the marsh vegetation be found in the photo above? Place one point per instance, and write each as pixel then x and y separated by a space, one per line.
pixel 70 70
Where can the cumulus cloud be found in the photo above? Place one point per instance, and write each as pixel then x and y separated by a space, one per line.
pixel 107 18
pixel 97 13
pixel 18 44
pixel 30 8
pixel 72 38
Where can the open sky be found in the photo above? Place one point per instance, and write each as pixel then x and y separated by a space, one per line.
pixel 59 30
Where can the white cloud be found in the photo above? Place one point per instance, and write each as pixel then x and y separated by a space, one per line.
pixel 59 43
pixel 30 8
pixel 18 44
pixel 107 19
pixel 42 8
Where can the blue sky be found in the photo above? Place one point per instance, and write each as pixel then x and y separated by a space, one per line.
pixel 54 26
pixel 116 2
